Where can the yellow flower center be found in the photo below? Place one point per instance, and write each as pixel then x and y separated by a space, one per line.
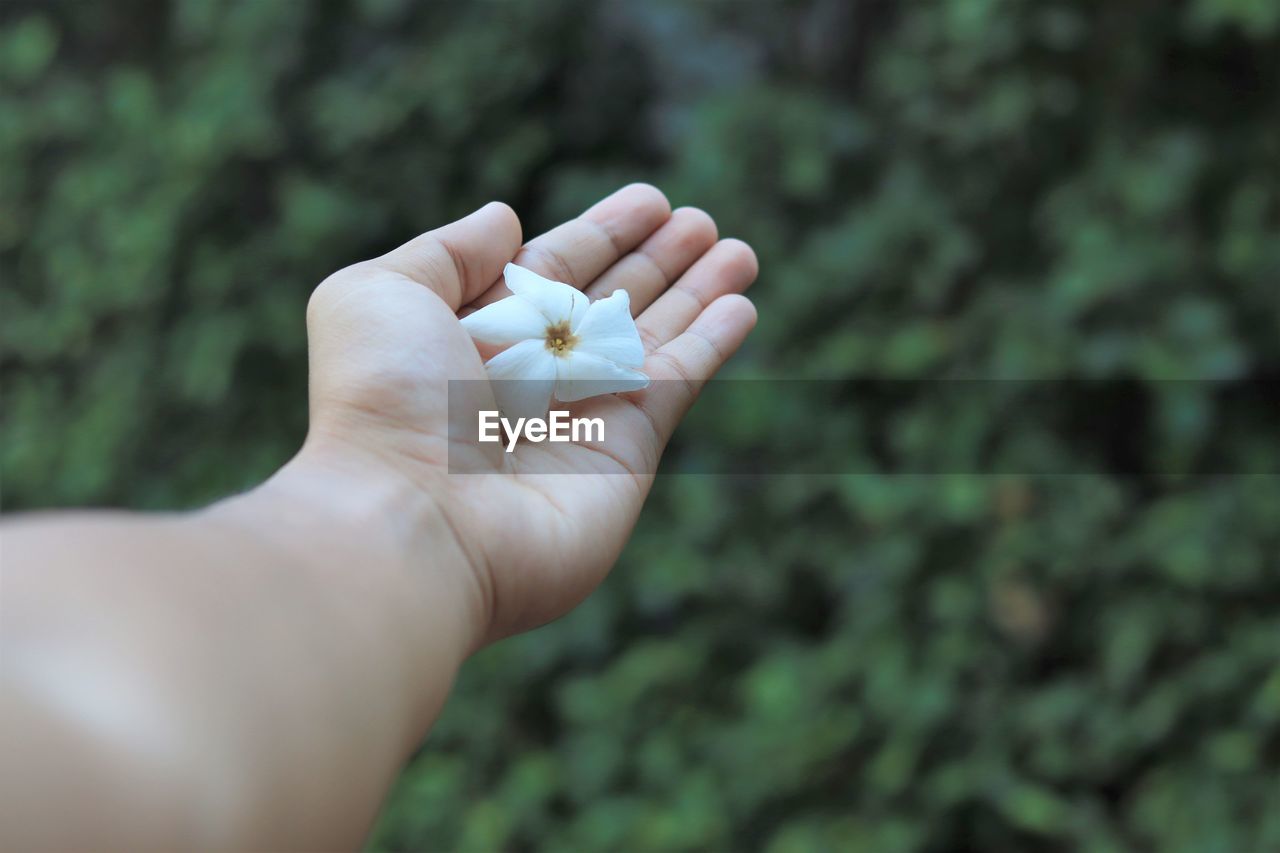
pixel 560 340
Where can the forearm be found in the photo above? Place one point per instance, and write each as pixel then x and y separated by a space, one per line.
pixel 249 667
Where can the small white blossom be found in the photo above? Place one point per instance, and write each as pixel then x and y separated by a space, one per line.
pixel 559 342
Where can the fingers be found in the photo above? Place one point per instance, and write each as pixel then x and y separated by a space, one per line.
pixel 462 259
pixel 690 359
pixel 581 249
pixel 728 268
pixel 660 260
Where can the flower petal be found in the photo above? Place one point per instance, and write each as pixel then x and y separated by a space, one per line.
pixel 556 300
pixel 523 377
pixel 506 322
pixel 580 375
pixel 608 331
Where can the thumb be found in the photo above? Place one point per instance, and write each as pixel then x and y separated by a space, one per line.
pixel 459 261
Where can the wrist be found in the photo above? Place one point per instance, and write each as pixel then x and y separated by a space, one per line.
pixel 348 520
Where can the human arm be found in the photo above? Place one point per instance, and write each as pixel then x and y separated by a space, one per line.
pixel 253 674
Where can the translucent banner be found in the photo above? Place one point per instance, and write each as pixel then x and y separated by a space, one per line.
pixel 871 426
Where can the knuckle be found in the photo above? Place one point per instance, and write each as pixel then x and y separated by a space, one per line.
pixel 681 374
pixel 648 339
pixel 551 261
pixel 712 351
pixel 694 295
pixel 425 259
pixel 608 235
pixel 460 263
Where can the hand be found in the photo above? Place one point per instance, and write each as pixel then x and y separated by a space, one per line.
pixel 385 339
pixel 308 630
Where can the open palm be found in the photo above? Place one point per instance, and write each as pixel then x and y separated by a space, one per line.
pixel 543 526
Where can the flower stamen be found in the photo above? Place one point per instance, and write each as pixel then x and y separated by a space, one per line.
pixel 560 340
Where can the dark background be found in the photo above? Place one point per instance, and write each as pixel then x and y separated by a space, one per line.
pixel 975 188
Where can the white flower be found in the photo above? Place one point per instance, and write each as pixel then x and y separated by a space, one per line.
pixel 561 344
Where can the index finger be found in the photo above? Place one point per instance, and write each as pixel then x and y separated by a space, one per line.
pixel 579 250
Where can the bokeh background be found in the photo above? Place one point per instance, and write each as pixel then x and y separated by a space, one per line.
pixel 934 188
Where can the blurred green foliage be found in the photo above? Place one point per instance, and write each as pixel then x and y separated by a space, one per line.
pixel 939 188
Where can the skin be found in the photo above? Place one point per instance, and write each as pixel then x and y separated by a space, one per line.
pixel 254 674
